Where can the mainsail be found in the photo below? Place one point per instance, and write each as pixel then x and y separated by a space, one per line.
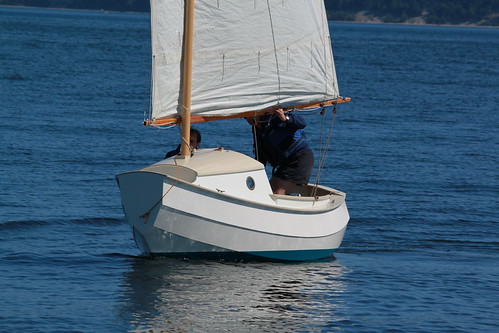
pixel 247 56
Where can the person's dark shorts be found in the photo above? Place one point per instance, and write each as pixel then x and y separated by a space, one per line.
pixel 297 168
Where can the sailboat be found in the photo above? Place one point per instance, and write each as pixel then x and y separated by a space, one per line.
pixel 217 60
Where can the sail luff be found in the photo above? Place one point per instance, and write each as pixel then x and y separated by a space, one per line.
pixel 187 78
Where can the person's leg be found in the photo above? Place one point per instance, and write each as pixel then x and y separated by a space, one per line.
pixel 281 186
pixel 296 170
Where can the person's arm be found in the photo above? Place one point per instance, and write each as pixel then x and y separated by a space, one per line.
pixel 290 121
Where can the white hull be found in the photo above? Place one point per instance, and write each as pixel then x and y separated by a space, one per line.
pixel 202 207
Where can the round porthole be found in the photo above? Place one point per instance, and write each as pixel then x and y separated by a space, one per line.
pixel 250 182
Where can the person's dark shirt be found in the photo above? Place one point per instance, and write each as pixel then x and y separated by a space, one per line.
pixel 174 152
pixel 279 140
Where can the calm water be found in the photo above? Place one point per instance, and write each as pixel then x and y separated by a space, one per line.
pixel 416 151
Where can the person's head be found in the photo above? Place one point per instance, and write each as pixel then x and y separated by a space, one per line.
pixel 195 138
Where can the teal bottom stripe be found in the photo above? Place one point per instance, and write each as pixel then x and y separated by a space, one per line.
pixel 299 255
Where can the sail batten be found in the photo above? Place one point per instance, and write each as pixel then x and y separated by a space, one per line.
pixel 236 66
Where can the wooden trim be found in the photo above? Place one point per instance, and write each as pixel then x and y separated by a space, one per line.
pixel 200 119
pixel 185 149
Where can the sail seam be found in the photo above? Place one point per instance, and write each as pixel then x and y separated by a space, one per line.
pixel 275 54
pixel 223 66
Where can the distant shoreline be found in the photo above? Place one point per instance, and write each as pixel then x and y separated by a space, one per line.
pixel 361 21
pixel 421 24
pixel 76 9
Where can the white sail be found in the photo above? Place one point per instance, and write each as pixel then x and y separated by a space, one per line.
pixel 248 55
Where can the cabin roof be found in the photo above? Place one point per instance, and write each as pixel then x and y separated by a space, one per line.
pixel 206 162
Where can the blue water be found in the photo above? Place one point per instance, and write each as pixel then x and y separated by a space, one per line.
pixel 416 151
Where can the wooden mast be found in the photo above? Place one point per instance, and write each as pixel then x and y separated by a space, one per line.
pixel 185 150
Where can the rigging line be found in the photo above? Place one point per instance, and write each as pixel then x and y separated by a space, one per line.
pixel 326 149
pixel 328 141
pixel 275 53
pixel 146 215
pixel 321 153
pixel 310 111
pixel 182 138
pixel 166 127
pixel 321 148
pixel 255 139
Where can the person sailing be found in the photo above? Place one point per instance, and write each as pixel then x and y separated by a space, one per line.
pixel 281 142
pixel 195 141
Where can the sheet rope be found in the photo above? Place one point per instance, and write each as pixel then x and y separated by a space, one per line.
pixel 146 215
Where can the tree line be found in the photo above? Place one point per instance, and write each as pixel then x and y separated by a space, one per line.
pixel 110 5
pixel 477 12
